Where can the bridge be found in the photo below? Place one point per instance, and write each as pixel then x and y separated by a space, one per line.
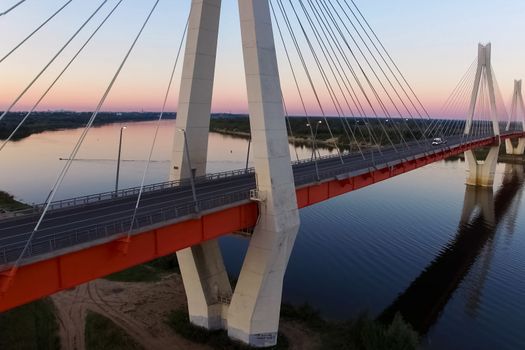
pixel 61 244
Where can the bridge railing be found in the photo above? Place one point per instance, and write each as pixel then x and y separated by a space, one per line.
pixel 57 240
pixel 133 191
pixel 9 252
pixel 111 195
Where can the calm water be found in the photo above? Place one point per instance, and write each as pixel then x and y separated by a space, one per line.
pixel 412 244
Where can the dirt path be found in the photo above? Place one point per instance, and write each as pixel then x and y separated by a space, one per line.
pixel 138 308
pixel 299 337
pixel 141 309
pixel 71 313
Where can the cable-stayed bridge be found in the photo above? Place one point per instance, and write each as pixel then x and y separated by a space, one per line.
pixel 337 71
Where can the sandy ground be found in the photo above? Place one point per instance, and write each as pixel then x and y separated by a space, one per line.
pixel 141 309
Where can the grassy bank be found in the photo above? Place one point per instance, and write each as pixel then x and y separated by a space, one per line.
pixel 32 326
pixel 362 333
pixel 179 321
pixel 148 272
pixel 9 203
pixel 347 133
pixel 102 334
pixel 46 121
pixel 503 157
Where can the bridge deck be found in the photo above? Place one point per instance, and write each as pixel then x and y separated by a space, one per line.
pixel 76 241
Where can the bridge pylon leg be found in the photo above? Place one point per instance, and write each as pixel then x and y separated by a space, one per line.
pixel 253 315
pixel 481 173
pixel 206 284
pixel 202 268
pixel 517 113
pixel 517 150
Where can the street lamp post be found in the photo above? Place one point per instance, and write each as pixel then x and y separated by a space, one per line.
pixel 314 156
pixel 118 159
pixel 192 171
pixel 314 143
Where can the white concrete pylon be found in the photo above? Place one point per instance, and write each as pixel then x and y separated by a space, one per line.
pixel 517 114
pixel 253 316
pixel 484 69
pixel 202 267
pixel 481 173
pixel 196 89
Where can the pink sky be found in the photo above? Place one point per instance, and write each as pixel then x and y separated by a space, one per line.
pixel 432 55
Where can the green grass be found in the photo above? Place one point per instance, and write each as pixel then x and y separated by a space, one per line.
pixel 149 272
pixel 28 327
pixel 179 321
pixel 367 334
pixel 364 333
pixel 139 273
pixel 102 334
pixel 46 121
pixel 7 202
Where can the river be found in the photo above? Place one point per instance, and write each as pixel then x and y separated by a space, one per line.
pixel 415 244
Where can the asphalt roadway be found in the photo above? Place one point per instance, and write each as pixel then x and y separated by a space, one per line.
pixel 62 228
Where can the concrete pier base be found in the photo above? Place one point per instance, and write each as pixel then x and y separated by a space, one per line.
pixel 481 173
pixel 206 284
pixel 253 317
pixel 517 150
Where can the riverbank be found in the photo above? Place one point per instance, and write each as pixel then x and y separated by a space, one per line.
pixel 9 204
pixel 129 310
pixel 345 133
pixel 503 157
pixel 49 121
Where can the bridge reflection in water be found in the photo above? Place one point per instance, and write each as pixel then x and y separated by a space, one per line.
pixel 422 303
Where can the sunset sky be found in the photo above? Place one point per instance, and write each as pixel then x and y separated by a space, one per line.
pixel 433 42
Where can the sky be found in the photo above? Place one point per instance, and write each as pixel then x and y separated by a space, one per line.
pixel 433 42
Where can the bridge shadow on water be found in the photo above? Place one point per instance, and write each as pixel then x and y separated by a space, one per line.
pixel 422 303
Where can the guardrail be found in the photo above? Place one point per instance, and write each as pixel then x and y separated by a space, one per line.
pixel 83 200
pixel 93 198
pixel 377 160
pixel 60 240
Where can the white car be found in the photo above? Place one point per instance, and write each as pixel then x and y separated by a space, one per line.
pixel 438 141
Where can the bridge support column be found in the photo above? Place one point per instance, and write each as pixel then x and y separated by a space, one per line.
pixel 202 268
pixel 481 173
pixel 206 284
pixel 517 150
pixel 253 316
pixel 517 115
